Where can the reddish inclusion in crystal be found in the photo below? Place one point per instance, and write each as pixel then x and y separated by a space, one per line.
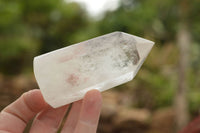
pixel 72 79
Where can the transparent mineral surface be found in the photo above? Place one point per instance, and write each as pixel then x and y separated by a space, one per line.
pixel 65 75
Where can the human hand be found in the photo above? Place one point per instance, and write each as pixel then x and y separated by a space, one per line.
pixel 83 116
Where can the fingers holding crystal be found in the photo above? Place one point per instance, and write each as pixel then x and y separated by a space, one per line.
pixel 49 120
pixel 90 112
pixel 72 118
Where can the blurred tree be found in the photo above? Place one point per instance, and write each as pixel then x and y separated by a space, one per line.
pixel 184 41
pixel 15 40
pixel 152 18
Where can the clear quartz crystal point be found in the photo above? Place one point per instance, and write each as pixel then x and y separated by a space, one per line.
pixel 66 74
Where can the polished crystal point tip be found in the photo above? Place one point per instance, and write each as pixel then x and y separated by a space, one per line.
pixel 66 74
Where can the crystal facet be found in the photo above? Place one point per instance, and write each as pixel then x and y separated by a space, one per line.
pixel 66 74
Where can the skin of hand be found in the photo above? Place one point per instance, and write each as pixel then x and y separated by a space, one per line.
pixel 83 116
